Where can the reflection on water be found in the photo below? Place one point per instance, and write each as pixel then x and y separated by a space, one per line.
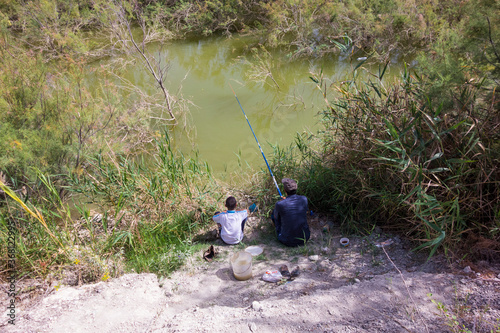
pixel 212 66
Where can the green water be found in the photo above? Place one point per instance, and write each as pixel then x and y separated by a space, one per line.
pixel 205 70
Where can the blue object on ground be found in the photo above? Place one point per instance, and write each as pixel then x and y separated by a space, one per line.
pixel 252 208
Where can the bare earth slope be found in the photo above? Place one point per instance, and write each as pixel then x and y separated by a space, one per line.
pixel 359 288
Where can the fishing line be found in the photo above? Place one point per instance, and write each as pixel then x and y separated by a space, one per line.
pixel 268 167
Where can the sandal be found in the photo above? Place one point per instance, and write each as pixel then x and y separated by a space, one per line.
pixel 209 254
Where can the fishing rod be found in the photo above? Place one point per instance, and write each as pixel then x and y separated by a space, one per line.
pixel 268 167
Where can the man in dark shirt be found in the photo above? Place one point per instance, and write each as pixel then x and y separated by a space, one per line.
pixel 290 216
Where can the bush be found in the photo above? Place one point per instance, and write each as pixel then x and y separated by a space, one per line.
pixel 394 157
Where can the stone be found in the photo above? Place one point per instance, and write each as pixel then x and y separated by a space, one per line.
pixel 314 257
pixel 467 269
pixel 253 327
pixel 97 218
pixel 323 266
pixel 161 281
pixel 256 306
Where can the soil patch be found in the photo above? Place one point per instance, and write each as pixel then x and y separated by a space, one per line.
pixel 375 284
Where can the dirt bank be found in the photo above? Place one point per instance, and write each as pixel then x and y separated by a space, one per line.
pixel 359 288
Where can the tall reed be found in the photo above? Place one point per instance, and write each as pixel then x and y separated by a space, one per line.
pixel 393 156
pixel 145 214
pixel 156 206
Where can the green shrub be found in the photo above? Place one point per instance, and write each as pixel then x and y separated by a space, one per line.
pixel 393 157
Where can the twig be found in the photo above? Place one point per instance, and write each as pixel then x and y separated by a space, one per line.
pixel 157 76
pixel 407 289
pixel 491 40
pixel 159 118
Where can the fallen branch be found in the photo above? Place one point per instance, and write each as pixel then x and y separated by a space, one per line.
pixel 407 290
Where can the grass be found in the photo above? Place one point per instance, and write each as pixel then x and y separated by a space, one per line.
pixel 460 318
pixel 260 257
pixel 149 216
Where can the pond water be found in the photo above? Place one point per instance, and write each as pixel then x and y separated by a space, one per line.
pixel 278 106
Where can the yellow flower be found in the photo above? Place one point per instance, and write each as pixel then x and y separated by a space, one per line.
pixel 16 144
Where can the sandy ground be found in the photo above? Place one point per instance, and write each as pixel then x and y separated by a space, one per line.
pixel 358 288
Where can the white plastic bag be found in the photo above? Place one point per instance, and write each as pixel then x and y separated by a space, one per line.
pixel 272 276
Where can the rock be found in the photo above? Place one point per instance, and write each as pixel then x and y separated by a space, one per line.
pixel 161 281
pixel 357 280
pixel 323 266
pixel 256 306
pixel 253 327
pixel 97 218
pixel 467 269
pixel 314 257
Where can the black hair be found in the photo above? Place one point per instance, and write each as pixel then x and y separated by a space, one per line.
pixel 231 203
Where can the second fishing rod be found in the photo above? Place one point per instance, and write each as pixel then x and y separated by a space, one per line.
pixel 262 152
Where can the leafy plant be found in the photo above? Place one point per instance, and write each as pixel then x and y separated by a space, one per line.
pixel 458 318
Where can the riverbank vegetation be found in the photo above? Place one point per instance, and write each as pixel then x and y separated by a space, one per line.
pixel 418 156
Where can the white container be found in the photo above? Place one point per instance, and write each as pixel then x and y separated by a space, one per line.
pixel 241 263
pixel 254 250
pixel 344 242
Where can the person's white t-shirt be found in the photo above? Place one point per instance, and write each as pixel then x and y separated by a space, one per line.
pixel 230 222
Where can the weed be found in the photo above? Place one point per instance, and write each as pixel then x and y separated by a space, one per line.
pixel 376 262
pixel 300 250
pixel 260 257
pixel 460 318
pixel 451 319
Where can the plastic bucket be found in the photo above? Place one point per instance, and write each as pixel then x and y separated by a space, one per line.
pixel 241 263
pixel 344 242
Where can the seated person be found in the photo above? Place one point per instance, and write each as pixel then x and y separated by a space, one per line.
pixel 290 216
pixel 231 222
